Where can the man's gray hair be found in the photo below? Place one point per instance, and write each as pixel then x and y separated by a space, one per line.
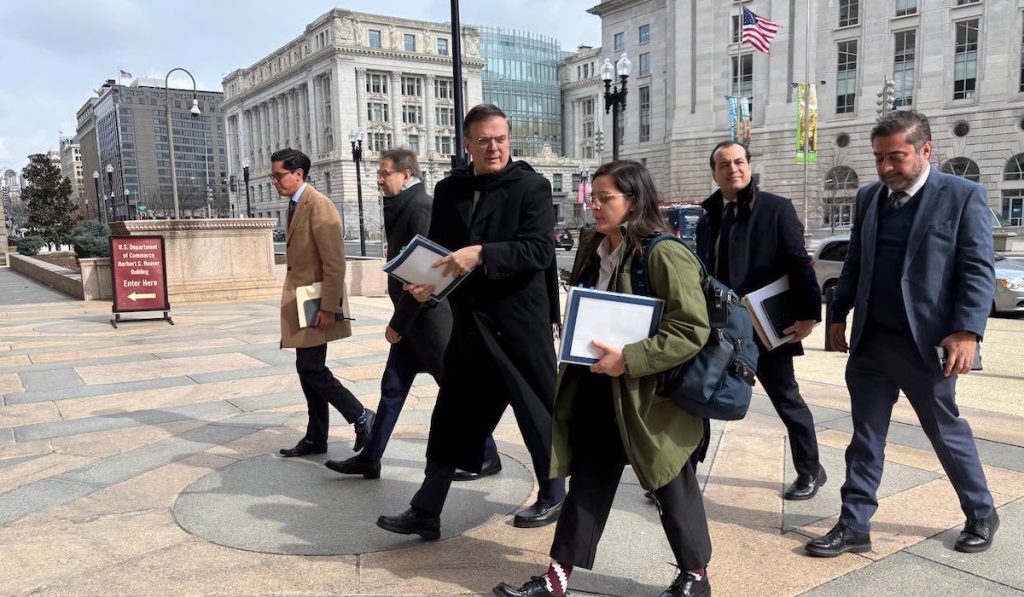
pixel 911 122
pixel 403 159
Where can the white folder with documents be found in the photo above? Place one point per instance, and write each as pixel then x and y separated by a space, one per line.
pixel 610 317
pixel 415 265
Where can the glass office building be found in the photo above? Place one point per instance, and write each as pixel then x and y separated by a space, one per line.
pixel 521 78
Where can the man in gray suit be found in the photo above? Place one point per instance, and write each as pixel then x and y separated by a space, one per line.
pixel 919 275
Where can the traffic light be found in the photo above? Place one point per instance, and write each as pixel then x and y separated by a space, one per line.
pixel 886 99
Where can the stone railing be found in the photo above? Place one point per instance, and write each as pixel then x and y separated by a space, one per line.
pixel 57 277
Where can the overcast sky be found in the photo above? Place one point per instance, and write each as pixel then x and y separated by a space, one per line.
pixel 54 53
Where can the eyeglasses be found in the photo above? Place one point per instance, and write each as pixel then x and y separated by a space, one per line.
pixel 277 176
pixel 600 200
pixel 486 141
pixel 386 173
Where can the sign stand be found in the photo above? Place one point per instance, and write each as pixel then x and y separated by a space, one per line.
pixel 139 276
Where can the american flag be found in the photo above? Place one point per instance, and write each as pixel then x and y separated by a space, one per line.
pixel 758 31
pixel 125 74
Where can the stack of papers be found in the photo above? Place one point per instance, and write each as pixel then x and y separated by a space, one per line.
pixel 415 265
pixel 610 317
pixel 307 300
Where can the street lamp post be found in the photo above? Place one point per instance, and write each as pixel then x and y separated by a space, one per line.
pixel 96 183
pixel 110 185
pixel 356 137
pixel 170 131
pixel 130 213
pixel 615 96
pixel 245 179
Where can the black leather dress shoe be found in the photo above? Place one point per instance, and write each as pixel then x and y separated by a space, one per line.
pixel 839 541
pixel 537 515
pixel 491 466
pixel 978 534
pixel 303 448
pixel 364 431
pixel 357 465
pixel 412 522
pixel 804 488
pixel 687 585
pixel 535 587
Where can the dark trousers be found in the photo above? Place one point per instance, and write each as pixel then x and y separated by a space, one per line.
pixel 598 459
pixel 431 495
pixel 322 388
pixel 883 364
pixel 775 372
pixel 404 363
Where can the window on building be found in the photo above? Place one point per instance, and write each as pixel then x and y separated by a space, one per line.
pixel 377 112
pixel 556 183
pixel 849 12
pixel 414 144
pixel 374 38
pixel 846 77
pixel 576 179
pixel 1014 168
pixel 588 129
pixel 587 106
pixel 838 201
pixel 412 86
pixel 410 42
pixel 966 2
pixel 442 46
pixel 444 116
pixel 443 88
pixel 742 81
pixel 412 115
pixel 327 183
pixel 735 28
pixel 645 114
pixel 906 7
pixel 377 83
pixel 644 34
pixel 378 141
pixel 645 64
pixel 963 167
pixel 904 60
pixel 443 144
pixel 965 61
pixel 619 41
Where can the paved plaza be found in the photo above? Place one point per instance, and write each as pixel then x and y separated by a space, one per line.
pixel 141 461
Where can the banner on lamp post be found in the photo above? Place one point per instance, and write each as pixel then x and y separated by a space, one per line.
pixel 807 95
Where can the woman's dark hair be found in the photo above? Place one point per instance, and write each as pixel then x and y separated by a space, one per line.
pixel 633 180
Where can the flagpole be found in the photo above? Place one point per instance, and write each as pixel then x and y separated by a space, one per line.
pixel 807 115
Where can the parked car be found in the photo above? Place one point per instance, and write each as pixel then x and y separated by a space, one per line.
pixel 828 260
pixel 563 239
pixel 279 235
pixel 1009 297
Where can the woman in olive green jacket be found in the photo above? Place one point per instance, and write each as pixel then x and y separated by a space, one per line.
pixel 608 415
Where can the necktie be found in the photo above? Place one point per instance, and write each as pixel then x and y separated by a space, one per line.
pixel 722 261
pixel 897 199
pixel 291 210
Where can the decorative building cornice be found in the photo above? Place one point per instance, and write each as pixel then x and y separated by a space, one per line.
pixel 138 226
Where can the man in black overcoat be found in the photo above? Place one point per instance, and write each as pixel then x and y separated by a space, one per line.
pixel 748 239
pixel 418 335
pixel 496 217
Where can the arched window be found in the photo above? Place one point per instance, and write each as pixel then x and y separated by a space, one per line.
pixel 1014 168
pixel 963 167
pixel 841 178
pixel 1013 194
pixel 840 188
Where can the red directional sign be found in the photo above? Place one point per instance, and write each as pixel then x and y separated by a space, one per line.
pixel 139 273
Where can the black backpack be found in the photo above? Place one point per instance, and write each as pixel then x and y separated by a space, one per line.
pixel 718 382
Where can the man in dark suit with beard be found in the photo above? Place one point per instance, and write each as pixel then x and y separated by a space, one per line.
pixel 495 215
pixel 418 335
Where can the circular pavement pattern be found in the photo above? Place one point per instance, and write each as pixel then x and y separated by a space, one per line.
pixel 297 506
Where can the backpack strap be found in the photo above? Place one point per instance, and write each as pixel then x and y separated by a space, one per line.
pixel 639 271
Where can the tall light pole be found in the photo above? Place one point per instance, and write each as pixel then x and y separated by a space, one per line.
pixel 458 154
pixel 245 179
pixel 582 190
pixel 110 185
pixel 170 130
pixel 356 138
pixel 96 183
pixel 615 97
